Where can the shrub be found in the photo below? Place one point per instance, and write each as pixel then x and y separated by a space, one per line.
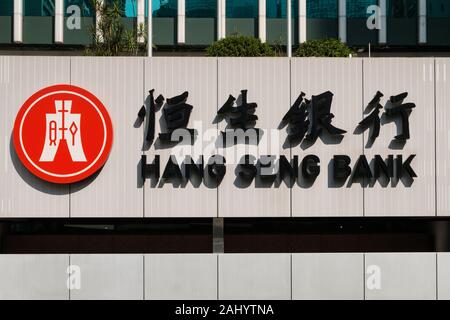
pixel 240 46
pixel 110 37
pixel 323 48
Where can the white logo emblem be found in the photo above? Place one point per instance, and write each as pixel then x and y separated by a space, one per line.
pixel 63 126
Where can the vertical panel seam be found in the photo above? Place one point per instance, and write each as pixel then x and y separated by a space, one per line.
pixel 68 287
pixel 143 277
pixel 70 185
pixel 437 278
pixel 217 191
pixel 290 147
pixel 435 142
pixel 143 128
pixel 217 134
pixel 363 149
pixel 291 256
pixel 217 276
pixel 364 276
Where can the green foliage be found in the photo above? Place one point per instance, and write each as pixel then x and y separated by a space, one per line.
pixel 110 37
pixel 240 46
pixel 323 48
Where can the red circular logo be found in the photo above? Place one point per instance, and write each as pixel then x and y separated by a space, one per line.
pixel 63 134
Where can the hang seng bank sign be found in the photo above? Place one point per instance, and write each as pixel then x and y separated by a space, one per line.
pixel 307 120
pixel 63 134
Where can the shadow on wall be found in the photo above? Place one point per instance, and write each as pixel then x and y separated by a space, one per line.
pixel 42 185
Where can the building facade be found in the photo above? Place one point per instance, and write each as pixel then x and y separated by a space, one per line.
pixel 225 178
pixel 197 23
pixel 356 215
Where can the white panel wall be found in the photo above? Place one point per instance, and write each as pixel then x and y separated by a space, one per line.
pixel 171 77
pixel 119 83
pixel 443 272
pixel 181 277
pixel 33 277
pixel 408 276
pixel 109 276
pixel 267 82
pixel 442 136
pixel 327 276
pixel 392 77
pixel 21 193
pixel 114 191
pixel 254 276
pixel 343 78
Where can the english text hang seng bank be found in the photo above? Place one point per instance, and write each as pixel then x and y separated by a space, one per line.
pixel 305 122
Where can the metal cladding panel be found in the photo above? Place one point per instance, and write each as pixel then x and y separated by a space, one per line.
pixel 181 277
pixel 392 77
pixel 442 69
pixel 115 190
pixel 122 85
pixel 343 77
pixel 254 276
pixel 108 276
pixel 34 277
pixel 267 82
pixel 21 193
pixel 171 77
pixel 406 276
pixel 443 275
pixel 328 276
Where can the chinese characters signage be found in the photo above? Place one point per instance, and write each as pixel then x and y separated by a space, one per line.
pixel 306 120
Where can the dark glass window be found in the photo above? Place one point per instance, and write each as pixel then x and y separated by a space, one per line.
pixel 6 8
pixel 438 9
pixel 163 8
pixel 39 8
pixel 201 8
pixel 357 31
pixel 130 8
pixel 242 8
pixel 87 8
pixel 358 8
pixel 401 9
pixel 277 9
pixel 322 9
